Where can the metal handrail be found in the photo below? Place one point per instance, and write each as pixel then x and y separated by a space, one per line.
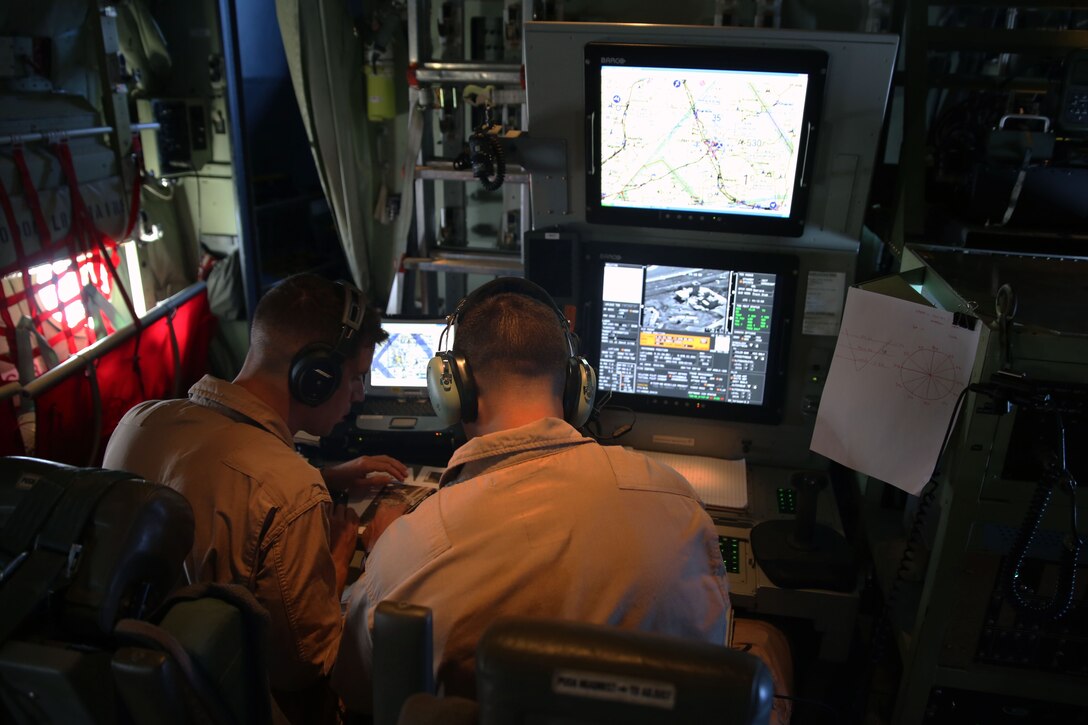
pixel 17 138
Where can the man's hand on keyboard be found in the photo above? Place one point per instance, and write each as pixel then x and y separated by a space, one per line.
pixel 363 472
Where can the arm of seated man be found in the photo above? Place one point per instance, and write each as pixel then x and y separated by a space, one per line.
pixel 297 585
pixel 352 675
pixel 343 539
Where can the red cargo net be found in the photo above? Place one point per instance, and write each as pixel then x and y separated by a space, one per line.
pixel 53 287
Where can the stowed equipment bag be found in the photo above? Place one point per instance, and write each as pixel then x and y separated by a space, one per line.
pixel 80 549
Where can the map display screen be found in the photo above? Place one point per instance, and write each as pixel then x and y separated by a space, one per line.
pixel 694 333
pixel 700 140
pixel 706 138
pixel 400 361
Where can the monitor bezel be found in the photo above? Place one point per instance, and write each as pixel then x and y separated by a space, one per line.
pixel 786 266
pixel 788 60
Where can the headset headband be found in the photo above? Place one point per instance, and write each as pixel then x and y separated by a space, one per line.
pixel 512 285
pixel 450 384
pixel 351 319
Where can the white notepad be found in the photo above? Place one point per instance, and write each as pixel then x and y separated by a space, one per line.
pixel 720 483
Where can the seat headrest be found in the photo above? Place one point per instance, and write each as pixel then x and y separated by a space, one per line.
pixel 529 667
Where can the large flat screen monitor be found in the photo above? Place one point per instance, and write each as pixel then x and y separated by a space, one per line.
pixel 714 138
pixel 696 332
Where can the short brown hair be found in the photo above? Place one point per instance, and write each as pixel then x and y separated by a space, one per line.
pixel 510 333
pixel 305 309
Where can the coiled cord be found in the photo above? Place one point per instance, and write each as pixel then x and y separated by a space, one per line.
pixel 593 425
pixel 492 172
pixel 1058 606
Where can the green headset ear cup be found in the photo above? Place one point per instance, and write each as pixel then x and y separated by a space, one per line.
pixel 442 391
pixel 579 391
pixel 451 388
pixel 315 374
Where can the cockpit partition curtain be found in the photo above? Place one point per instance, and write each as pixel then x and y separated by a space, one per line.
pixel 325 59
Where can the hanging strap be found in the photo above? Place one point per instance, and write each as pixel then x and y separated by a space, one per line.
pixel 137 182
pixel 21 263
pixel 25 358
pixel 96 410
pixel 5 303
pixel 102 309
pixel 34 203
pixel 17 535
pixel 49 355
pixel 86 228
pixel 175 349
pixel 1017 187
pixel 32 200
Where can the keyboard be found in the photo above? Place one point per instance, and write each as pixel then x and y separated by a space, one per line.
pixel 390 406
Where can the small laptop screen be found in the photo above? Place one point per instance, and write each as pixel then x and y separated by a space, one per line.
pixel 401 361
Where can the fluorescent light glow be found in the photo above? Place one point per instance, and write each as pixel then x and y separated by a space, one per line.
pixel 135 279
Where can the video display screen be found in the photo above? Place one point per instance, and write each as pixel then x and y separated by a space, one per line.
pixel 700 332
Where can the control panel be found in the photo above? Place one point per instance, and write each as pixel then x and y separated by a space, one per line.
pixel 737 556
pixel 787 500
pixel 730 549
pixel 1073 114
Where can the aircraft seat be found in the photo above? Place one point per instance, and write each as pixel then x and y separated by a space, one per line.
pixel 552 671
pixel 88 559
pixel 200 660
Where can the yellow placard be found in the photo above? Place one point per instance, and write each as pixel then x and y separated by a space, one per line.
pixel 674 341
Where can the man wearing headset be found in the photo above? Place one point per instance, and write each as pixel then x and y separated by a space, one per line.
pixel 264 516
pixel 532 518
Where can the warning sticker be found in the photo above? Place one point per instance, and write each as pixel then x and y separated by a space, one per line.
pixel 616 688
pixel 26 481
pixel 823 303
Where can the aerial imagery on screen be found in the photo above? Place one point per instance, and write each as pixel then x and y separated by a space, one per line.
pixel 686 332
pixel 401 360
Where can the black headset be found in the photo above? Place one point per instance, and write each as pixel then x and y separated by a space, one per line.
pixel 452 389
pixel 317 368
